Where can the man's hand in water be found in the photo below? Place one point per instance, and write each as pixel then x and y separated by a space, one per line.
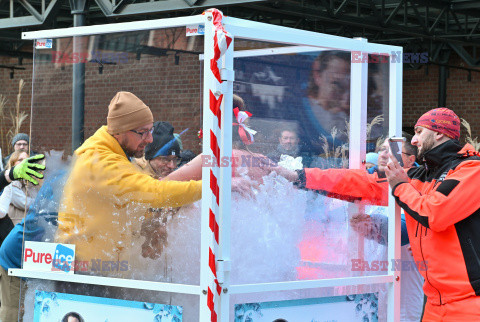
pixel 155 232
pixel 362 224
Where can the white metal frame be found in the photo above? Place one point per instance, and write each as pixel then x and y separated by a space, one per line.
pixel 300 41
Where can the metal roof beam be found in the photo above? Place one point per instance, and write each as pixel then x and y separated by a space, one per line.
pixel 31 9
pixel 125 9
pixel 34 20
pixel 465 5
pixel 289 9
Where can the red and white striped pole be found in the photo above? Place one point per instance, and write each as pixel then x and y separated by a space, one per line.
pixel 215 92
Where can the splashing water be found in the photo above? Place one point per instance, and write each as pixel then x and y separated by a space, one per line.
pixel 266 232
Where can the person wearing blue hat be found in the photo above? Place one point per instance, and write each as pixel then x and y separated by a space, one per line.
pixel 162 156
pixel 371 160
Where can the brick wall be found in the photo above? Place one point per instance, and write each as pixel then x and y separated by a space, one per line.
pixel 174 94
pixel 172 91
pixel 420 93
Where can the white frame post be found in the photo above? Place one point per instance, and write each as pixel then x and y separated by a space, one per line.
pixel 358 113
pixel 394 226
pixel 358 136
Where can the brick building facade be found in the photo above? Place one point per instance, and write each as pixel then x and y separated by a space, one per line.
pixel 170 83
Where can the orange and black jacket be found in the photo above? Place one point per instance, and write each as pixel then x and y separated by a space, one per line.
pixel 442 200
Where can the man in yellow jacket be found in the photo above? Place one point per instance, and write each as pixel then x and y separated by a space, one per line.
pixel 106 196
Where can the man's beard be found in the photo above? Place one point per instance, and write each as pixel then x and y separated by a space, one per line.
pixel 426 146
pixel 131 153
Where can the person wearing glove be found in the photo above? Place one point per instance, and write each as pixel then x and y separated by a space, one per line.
pixel 27 170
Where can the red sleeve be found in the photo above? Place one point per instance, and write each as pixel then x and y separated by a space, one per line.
pixel 348 184
pixel 453 200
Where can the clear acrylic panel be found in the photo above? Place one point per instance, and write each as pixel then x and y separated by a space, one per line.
pixel 132 239
pixel 299 100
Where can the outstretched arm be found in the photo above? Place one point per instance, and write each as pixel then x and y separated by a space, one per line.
pixel 190 171
pixel 28 170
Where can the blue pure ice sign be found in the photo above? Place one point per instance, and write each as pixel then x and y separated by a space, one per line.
pixel 43 44
pixel 195 30
pixel 63 258
pixel 41 256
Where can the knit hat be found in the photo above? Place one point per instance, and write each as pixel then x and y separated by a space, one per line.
pixel 19 137
pixel 163 141
pixel 372 157
pixel 127 112
pixel 441 120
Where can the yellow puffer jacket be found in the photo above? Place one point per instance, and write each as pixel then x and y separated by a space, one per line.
pixel 106 197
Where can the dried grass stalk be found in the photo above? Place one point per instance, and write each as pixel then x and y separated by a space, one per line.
pixel 325 146
pixel 467 127
pixel 16 117
pixel 473 141
pixel 3 104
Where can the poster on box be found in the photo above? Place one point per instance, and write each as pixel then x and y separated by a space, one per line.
pixel 53 306
pixel 358 307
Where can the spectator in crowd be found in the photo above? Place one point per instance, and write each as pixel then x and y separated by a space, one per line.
pixel 371 160
pixel 14 199
pixel 29 169
pixel 19 142
pixel 288 151
pixel 442 205
pixel 162 156
pixel 46 206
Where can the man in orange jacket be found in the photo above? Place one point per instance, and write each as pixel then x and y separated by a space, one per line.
pixel 443 206
pixel 359 185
